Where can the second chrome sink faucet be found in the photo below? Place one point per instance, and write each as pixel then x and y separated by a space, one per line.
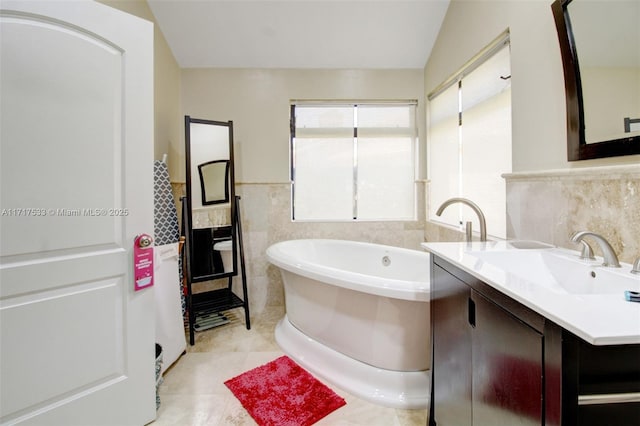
pixel 475 208
pixel 609 255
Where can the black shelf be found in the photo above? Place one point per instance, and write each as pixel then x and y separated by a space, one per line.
pixel 215 301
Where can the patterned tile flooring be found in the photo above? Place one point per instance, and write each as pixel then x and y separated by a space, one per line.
pixel 193 392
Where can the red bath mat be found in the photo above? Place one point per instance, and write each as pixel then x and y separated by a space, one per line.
pixel 282 393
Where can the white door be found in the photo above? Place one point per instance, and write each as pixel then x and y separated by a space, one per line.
pixel 76 135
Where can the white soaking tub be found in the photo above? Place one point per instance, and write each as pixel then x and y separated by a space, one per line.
pixel 357 314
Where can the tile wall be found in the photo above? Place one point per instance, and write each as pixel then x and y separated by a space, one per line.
pixel 550 206
pixel 265 211
pixel 266 219
pixel 545 206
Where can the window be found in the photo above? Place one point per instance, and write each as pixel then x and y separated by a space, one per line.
pixel 469 139
pixel 353 161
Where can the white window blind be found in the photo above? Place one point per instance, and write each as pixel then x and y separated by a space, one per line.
pixel 444 153
pixel 353 162
pixel 470 142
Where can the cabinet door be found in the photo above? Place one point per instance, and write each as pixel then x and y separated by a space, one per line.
pixel 451 398
pixel 507 367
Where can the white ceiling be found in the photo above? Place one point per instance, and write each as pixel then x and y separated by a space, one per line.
pixel 300 33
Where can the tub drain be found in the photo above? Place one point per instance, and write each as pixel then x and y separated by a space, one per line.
pixel 386 261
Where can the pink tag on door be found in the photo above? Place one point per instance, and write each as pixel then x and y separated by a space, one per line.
pixel 142 262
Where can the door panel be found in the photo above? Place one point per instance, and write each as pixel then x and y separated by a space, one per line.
pixel 60 81
pixel 76 187
pixel 39 317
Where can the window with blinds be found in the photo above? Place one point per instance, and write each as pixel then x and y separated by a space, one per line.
pixel 469 139
pixel 353 161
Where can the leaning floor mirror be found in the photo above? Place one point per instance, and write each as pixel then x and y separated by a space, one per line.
pixel 211 225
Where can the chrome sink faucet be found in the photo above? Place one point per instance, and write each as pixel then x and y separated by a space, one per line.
pixel 475 208
pixel 636 267
pixel 609 255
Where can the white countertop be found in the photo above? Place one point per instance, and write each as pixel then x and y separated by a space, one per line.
pixel 600 319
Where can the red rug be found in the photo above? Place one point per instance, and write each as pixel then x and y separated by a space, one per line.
pixel 282 393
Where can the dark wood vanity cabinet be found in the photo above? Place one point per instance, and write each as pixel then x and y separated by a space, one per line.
pixel 487 363
pixel 496 362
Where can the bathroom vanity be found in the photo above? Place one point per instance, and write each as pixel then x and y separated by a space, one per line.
pixel 511 346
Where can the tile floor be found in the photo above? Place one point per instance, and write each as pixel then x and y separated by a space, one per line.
pixel 193 392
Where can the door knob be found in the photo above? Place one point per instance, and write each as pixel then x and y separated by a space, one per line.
pixel 144 241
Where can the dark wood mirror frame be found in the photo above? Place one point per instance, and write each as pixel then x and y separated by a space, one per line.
pixel 189 198
pixel 577 147
pixel 205 195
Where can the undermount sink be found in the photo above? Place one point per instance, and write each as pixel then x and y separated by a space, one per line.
pixel 560 271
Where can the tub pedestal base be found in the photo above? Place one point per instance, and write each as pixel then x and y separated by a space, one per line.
pixel 395 389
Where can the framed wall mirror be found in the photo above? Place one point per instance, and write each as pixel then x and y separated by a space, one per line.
pixel 210 193
pixel 600 49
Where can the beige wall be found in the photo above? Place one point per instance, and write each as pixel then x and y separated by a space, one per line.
pixel 167 118
pixel 548 198
pixel 258 103
pixel 538 102
pixel 258 99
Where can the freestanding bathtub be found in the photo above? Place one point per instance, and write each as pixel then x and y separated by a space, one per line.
pixel 357 315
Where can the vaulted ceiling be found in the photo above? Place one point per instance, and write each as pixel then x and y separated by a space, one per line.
pixel 388 34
